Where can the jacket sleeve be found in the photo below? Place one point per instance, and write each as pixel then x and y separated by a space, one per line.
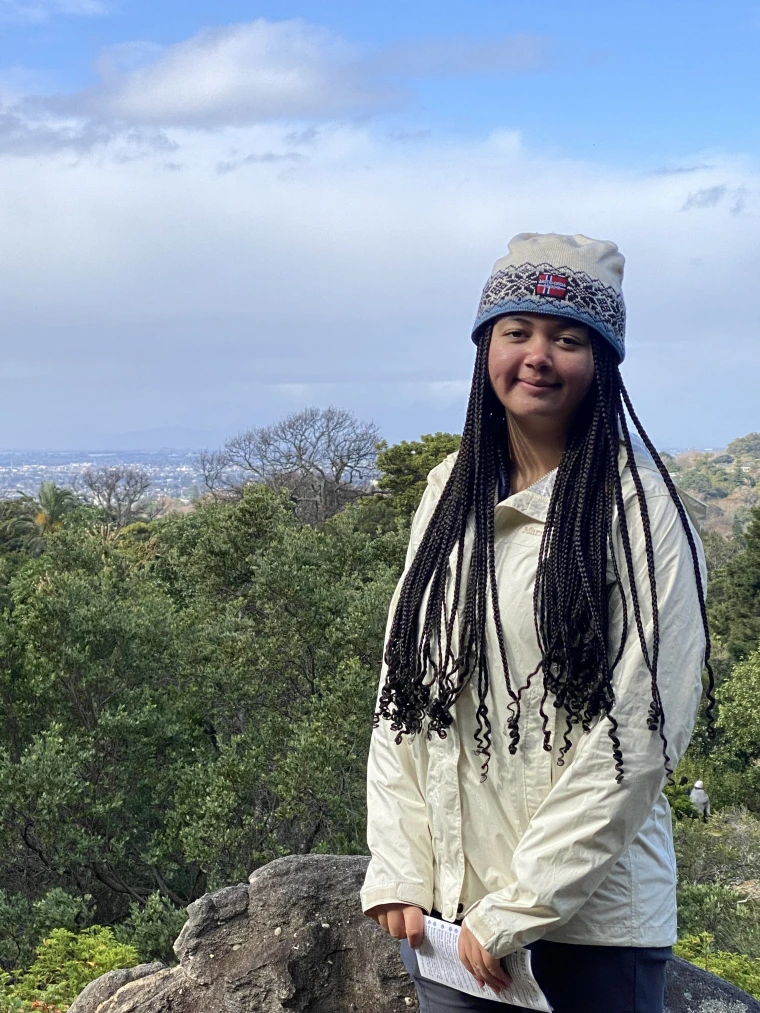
pixel 398 833
pixel 587 820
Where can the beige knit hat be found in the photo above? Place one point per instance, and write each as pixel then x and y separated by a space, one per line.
pixel 568 276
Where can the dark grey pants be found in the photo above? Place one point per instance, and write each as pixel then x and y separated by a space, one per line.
pixel 575 979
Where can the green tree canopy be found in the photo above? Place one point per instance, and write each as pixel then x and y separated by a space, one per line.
pixel 749 445
pixel 739 699
pixel 187 699
pixel 36 519
pixel 406 465
pixel 734 596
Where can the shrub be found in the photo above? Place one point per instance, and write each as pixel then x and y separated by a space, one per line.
pixel 64 964
pixel 732 920
pixel 730 781
pixel 681 806
pixel 726 849
pixel 152 929
pixel 742 971
pixel 739 700
pixel 24 923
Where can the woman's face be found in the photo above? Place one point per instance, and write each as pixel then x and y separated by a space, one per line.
pixel 540 366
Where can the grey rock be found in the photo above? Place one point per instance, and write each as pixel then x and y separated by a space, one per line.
pixel 98 991
pixel 691 990
pixel 294 939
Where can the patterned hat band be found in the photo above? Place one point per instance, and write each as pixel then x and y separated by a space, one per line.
pixel 559 291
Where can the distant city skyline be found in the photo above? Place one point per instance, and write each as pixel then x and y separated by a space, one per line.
pixel 173 473
pixel 214 214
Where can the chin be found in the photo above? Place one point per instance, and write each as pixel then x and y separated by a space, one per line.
pixel 522 409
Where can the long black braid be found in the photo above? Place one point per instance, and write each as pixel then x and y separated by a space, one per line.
pixel 426 674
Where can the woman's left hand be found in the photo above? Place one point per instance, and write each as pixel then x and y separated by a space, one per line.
pixel 484 968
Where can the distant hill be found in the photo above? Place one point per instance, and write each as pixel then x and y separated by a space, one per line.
pixel 727 481
pixel 165 438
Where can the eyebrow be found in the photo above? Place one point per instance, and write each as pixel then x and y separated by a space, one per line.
pixel 567 322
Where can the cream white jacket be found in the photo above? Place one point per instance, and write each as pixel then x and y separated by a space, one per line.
pixel 540 850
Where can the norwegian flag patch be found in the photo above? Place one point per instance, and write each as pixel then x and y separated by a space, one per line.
pixel 553 285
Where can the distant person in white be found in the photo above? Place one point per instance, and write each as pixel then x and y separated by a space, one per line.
pixel 700 799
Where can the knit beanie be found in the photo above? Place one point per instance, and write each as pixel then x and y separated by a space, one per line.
pixel 567 276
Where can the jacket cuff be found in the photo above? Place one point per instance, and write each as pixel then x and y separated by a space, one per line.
pixel 501 931
pixel 485 933
pixel 396 893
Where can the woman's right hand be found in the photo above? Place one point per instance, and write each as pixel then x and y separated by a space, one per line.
pixel 403 921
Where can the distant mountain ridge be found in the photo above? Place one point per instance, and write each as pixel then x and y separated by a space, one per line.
pixel 727 481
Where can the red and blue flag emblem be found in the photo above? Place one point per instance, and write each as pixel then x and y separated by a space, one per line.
pixel 554 285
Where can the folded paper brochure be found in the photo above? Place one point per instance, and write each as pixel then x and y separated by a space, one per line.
pixel 438 960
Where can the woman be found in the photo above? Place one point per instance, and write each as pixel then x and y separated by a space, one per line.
pixel 543 661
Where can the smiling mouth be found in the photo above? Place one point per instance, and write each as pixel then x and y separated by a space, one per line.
pixel 538 386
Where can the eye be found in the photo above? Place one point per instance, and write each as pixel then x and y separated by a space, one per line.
pixel 571 340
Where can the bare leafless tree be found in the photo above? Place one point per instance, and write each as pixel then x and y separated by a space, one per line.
pixel 213 466
pixel 119 491
pixel 323 457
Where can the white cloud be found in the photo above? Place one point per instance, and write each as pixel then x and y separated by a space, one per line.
pixel 156 288
pixel 252 72
pixel 456 55
pixel 43 134
pixel 42 10
pixel 261 71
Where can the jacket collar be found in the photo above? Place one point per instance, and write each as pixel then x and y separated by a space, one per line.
pixel 533 502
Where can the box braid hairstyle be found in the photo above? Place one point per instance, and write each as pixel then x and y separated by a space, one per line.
pixel 426 675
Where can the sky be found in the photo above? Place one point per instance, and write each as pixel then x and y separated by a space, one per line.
pixel 213 214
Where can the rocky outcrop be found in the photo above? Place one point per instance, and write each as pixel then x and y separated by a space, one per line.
pixel 294 939
pixel 691 990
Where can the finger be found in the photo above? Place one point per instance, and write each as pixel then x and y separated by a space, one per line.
pixel 469 956
pixel 491 980
pixel 382 920
pixel 396 924
pixel 468 967
pixel 414 924
pixel 483 963
pixel 474 965
pixel 493 967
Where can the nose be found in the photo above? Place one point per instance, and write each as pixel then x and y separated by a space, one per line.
pixel 538 352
